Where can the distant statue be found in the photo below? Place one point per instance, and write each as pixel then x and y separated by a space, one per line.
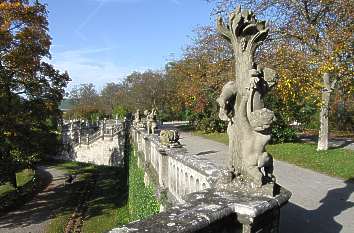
pixel 170 138
pixel 241 102
pixel 151 122
pixel 137 116
pixel 137 120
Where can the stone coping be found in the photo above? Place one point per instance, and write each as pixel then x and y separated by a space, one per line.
pixel 206 207
pixel 201 165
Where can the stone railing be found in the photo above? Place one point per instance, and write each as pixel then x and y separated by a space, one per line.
pixel 82 133
pixel 101 145
pixel 175 169
pixel 199 204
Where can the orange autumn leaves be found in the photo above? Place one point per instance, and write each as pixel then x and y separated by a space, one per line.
pixel 205 67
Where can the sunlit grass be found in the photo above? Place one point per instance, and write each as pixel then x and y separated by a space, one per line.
pixel 22 178
pixel 333 162
pixel 108 206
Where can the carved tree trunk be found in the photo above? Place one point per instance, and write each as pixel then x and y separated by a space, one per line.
pixel 326 94
pixel 248 125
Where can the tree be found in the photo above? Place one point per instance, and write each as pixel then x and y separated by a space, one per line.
pixel 109 97
pixel 85 100
pixel 145 90
pixel 199 76
pixel 30 89
pixel 312 41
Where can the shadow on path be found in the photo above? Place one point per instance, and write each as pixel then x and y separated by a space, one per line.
pixel 296 219
pixel 334 143
pixel 341 143
pixel 207 152
pixel 39 209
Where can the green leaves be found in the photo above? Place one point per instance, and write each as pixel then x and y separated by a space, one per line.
pixel 142 201
pixel 30 89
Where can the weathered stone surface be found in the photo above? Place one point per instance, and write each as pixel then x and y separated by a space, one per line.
pixel 170 138
pixel 241 101
pixel 212 208
pixel 98 145
pixel 207 207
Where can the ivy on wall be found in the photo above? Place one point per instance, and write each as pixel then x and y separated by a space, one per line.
pixel 142 200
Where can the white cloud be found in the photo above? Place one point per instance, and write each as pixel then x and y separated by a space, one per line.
pixel 83 67
pixel 176 2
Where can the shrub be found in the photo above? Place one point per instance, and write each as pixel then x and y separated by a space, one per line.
pixel 282 132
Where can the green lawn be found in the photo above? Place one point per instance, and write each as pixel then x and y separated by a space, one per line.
pixel 108 206
pixel 21 177
pixel 333 162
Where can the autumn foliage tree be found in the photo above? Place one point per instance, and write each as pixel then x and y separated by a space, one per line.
pixel 85 101
pixel 311 47
pixel 147 90
pixel 30 88
pixel 199 76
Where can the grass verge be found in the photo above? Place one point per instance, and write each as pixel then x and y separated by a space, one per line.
pixel 113 201
pixel 106 207
pixel 22 178
pixel 333 162
pixel 29 183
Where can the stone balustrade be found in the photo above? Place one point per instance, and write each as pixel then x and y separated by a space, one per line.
pixel 199 204
pixel 99 143
pixel 175 169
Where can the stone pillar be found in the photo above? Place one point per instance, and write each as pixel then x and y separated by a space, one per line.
pixel 71 131
pixel 98 121
pixel 163 169
pixel 117 122
pixel 103 127
pixel 139 137
pixel 87 139
pixel 79 136
pixel 147 149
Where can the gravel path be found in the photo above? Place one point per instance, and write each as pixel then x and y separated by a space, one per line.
pixel 35 215
pixel 319 203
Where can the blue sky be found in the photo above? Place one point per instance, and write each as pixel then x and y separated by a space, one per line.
pixel 101 41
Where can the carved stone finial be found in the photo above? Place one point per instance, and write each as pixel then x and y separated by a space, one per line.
pixel 241 101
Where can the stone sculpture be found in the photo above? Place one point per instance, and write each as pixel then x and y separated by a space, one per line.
pixel 137 117
pixel 241 102
pixel 151 123
pixel 170 138
pixel 137 120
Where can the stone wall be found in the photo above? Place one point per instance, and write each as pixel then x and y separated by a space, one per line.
pixel 176 171
pixel 102 147
pixel 200 205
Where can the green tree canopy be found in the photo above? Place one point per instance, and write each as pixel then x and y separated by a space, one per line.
pixel 30 88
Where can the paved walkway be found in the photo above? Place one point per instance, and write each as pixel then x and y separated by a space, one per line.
pixel 319 203
pixel 35 215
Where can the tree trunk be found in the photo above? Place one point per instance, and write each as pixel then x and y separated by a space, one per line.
pixel 323 134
